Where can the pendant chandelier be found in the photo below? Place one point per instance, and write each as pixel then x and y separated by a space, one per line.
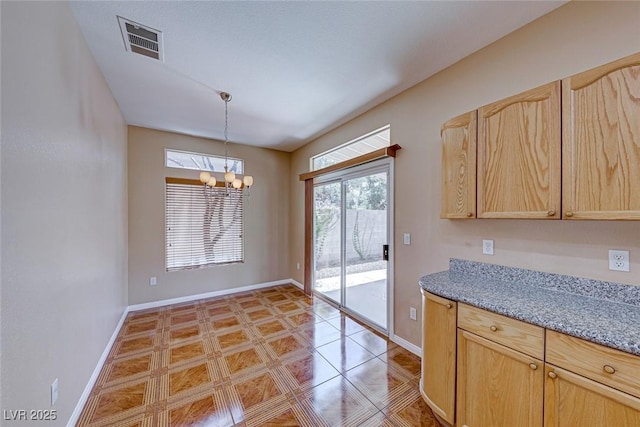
pixel 230 180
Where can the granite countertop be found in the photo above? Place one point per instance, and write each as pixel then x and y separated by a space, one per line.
pixel 605 313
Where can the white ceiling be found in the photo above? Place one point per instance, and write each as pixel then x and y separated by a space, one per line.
pixel 295 69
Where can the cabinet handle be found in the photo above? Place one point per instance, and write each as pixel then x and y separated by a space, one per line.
pixel 568 214
pixel 551 213
pixel 533 366
pixel 493 328
pixel 449 306
pixel 553 375
pixel 469 214
pixel 609 369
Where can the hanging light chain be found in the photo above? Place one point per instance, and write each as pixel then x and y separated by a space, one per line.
pixel 226 98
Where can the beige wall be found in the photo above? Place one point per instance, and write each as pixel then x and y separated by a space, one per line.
pixel 64 200
pixel 576 37
pixel 266 218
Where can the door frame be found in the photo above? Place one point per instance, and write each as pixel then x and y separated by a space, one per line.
pixel 382 165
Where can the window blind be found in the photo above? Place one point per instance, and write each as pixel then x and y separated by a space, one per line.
pixel 203 226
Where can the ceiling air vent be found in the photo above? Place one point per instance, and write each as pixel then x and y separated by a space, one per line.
pixel 141 39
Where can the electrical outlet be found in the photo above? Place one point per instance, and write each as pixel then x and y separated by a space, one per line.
pixel 54 392
pixel 487 247
pixel 618 260
pixel 412 313
pixel 297 266
pixel 153 281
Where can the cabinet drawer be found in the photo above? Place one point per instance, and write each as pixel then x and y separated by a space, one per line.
pixel 520 336
pixel 614 368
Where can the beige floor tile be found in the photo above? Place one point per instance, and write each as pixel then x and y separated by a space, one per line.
pixel 271 357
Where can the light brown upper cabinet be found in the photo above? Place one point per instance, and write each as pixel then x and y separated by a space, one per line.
pixel 601 142
pixel 459 137
pixel 519 155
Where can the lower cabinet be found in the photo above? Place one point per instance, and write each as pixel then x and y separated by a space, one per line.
pixel 438 382
pixel 497 386
pixel 572 400
pixel 588 384
pixel 493 371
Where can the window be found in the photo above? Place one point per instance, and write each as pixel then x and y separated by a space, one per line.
pixel 365 144
pixel 204 226
pixel 201 162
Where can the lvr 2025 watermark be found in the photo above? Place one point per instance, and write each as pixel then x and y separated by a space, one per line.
pixel 29 414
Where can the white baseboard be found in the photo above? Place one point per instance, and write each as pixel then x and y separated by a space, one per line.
pixel 96 372
pixel 407 345
pixel 212 294
pixel 296 283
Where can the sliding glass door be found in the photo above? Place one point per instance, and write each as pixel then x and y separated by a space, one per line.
pixel 327 240
pixel 351 236
pixel 366 247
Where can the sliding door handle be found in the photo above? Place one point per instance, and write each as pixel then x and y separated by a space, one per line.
pixel 385 252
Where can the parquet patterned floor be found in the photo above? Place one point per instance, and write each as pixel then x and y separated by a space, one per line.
pixel 271 357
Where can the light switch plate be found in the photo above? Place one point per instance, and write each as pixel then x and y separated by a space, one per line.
pixel 487 247
pixel 407 238
pixel 54 392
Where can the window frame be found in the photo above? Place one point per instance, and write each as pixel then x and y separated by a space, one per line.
pixel 348 143
pixel 210 156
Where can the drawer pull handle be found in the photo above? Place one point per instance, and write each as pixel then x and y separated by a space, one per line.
pixel 533 366
pixel 551 213
pixel 449 305
pixel 493 328
pixel 553 375
pixel 609 369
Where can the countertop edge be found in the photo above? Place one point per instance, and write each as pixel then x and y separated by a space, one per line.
pixel 436 284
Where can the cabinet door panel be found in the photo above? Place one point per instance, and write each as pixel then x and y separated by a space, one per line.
pixel 601 142
pixel 608 366
pixel 459 137
pixel 497 386
pixel 439 355
pixel 519 156
pixel 572 400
